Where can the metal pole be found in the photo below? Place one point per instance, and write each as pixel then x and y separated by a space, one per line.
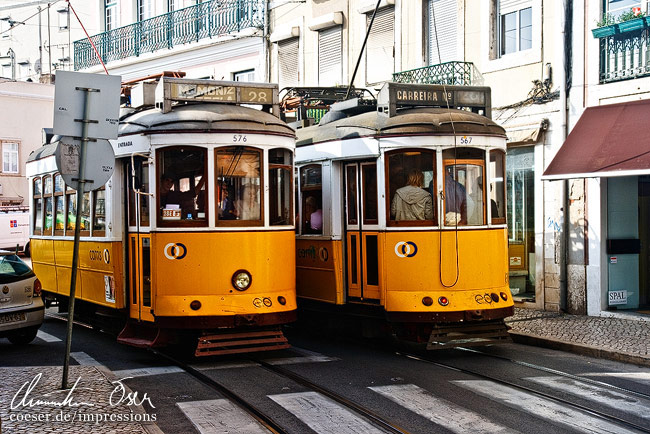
pixel 77 228
pixel 363 47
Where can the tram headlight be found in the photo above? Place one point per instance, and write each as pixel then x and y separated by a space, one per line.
pixel 241 280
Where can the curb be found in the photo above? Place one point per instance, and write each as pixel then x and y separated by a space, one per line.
pixel 554 344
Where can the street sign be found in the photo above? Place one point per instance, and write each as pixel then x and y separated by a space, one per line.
pixel 104 104
pixel 100 162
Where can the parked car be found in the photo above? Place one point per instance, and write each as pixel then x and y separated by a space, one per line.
pixel 21 306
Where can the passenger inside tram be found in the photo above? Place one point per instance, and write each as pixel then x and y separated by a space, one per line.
pixel 412 202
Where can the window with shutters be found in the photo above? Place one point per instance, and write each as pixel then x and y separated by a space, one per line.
pixel 515 26
pixel 380 51
pixel 443 25
pixel 288 63
pixel 330 52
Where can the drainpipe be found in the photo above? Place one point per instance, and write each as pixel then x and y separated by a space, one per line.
pixel 564 243
pixel 265 43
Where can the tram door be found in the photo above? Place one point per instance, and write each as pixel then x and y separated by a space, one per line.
pixel 361 228
pixel 139 240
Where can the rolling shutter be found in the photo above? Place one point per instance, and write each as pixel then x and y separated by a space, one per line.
pixel 380 52
pixel 446 21
pixel 507 6
pixel 329 56
pixel 288 61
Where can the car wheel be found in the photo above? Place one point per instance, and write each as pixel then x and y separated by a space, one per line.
pixel 23 336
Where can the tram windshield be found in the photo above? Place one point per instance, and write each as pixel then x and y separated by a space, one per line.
pixel 312 199
pixel 239 181
pixel 181 188
pixel 411 184
pixel 464 187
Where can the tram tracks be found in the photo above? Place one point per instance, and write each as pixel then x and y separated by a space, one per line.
pixel 538 393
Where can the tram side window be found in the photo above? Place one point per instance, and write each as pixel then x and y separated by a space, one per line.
pixel 59 205
pixel 99 216
pixel 411 184
pixel 312 199
pixel 48 205
pixel 38 206
pixel 463 189
pixel 497 191
pixel 182 195
pixel 239 181
pixel 280 186
pixel 71 221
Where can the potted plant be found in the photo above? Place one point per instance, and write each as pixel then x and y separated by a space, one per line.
pixel 605 27
pixel 631 20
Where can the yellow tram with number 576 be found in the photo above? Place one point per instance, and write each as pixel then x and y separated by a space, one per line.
pixel 403 214
pixel 192 238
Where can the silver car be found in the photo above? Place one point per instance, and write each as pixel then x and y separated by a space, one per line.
pixel 21 305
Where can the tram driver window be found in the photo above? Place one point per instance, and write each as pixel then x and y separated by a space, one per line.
pixel 312 199
pixel 411 184
pixel 280 186
pixel 239 181
pixel 464 189
pixel 181 186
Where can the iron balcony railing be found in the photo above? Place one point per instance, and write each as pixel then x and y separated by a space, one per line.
pixel 191 24
pixel 459 73
pixel 625 55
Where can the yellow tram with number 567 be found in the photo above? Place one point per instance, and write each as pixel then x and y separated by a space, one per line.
pixel 403 214
pixel 193 236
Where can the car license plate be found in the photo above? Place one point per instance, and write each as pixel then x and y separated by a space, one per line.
pixel 12 317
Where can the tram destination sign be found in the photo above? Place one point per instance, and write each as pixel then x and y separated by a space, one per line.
pixel 171 89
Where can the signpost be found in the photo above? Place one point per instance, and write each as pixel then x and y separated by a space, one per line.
pixel 86 108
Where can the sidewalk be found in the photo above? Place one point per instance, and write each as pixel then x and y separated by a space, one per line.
pixel 30 401
pixel 621 337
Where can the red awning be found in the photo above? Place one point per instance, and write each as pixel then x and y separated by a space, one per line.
pixel 608 140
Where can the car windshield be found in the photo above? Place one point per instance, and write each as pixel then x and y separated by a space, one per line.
pixel 11 267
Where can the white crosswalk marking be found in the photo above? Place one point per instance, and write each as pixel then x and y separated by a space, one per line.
pixel 439 411
pixel 220 416
pixel 146 372
pixel 323 415
pixel 611 398
pixel 639 376
pixel 84 359
pixel 540 407
pixel 47 337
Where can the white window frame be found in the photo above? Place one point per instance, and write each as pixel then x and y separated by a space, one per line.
pixel 246 75
pixel 10 157
pixel 110 6
pixel 501 42
pixel 64 18
pixel 491 61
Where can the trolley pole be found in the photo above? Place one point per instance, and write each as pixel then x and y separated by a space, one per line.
pixel 77 226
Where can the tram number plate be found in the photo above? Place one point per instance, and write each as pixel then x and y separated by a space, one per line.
pixel 12 317
pixel 171 214
pixel 617 297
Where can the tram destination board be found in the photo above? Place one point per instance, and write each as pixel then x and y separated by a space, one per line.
pixel 214 91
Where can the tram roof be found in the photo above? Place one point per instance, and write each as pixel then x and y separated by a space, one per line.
pixel 417 121
pixel 202 118
pixel 44 151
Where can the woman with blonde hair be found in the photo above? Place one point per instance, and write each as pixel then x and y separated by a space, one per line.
pixel 412 202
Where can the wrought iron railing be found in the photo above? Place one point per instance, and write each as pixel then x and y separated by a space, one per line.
pixel 625 55
pixel 204 20
pixel 459 73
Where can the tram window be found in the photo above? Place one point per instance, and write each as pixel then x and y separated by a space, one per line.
pixel 239 193
pixel 181 189
pixel 48 205
pixel 99 216
pixel 280 185
pixel 497 186
pixel 72 213
pixel 464 193
pixel 369 172
pixel 38 207
pixel 59 205
pixel 312 199
pixel 411 184
pixel 351 194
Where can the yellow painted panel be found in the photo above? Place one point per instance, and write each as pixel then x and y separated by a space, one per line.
pixel 224 305
pixel 63 279
pixel 42 251
pixel 411 301
pixel 320 270
pixel 202 264
pixel 95 289
pixel 47 275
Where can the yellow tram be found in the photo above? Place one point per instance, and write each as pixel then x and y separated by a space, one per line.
pixel 193 235
pixel 402 214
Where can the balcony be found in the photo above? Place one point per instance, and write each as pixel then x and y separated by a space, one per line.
pixel 205 20
pixel 624 50
pixel 458 73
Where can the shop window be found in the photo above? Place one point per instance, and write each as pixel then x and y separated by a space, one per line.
pixel 280 186
pixel 239 181
pixel 411 183
pixel 311 191
pixel 182 193
pixel 463 187
pixel 497 191
pixel 38 206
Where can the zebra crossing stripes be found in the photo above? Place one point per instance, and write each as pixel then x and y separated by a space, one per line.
pixel 220 416
pixel 324 415
pixel 621 402
pixel 439 411
pixel 540 407
pixel 47 337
